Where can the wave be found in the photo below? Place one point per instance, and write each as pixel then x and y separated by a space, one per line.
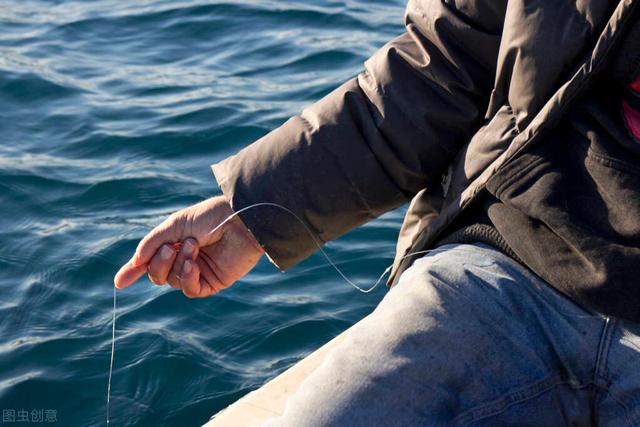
pixel 110 115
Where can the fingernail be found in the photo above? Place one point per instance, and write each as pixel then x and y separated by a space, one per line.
pixel 187 267
pixel 189 247
pixel 166 252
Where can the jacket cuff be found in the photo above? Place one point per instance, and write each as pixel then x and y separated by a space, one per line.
pixel 238 200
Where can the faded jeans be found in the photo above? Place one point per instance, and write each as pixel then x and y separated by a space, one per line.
pixel 469 337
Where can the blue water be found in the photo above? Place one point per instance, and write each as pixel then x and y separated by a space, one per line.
pixel 110 114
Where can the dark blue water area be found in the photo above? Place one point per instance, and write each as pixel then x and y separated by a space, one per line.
pixel 110 114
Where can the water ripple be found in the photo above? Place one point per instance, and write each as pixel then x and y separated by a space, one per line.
pixel 110 114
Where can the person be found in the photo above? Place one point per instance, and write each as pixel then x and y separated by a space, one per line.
pixel 514 129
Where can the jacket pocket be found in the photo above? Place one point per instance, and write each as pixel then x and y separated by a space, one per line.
pixel 581 203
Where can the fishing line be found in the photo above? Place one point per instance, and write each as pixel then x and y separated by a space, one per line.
pixel 311 233
pixel 113 347
pixel 226 220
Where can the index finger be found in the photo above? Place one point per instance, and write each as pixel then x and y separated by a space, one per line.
pixel 131 272
pixel 169 231
pixel 128 275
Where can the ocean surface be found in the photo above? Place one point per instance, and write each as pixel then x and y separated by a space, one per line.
pixel 110 114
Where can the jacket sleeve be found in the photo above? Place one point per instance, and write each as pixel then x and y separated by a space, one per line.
pixel 375 141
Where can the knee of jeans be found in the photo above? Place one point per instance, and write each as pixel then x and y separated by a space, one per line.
pixel 463 271
pixel 430 295
pixel 465 282
pixel 484 274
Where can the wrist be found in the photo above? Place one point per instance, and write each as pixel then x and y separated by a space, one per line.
pixel 241 226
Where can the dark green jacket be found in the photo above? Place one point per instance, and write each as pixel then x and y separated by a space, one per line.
pixel 453 108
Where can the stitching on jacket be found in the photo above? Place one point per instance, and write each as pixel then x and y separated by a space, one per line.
pixel 612 162
pixel 602 159
pixel 520 173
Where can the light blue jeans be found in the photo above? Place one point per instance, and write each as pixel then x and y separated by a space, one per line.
pixel 470 337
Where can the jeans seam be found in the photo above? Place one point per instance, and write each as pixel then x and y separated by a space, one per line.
pixel 627 411
pixel 501 404
pixel 600 373
pixel 600 368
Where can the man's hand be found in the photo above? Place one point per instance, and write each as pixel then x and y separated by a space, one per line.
pixel 182 252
